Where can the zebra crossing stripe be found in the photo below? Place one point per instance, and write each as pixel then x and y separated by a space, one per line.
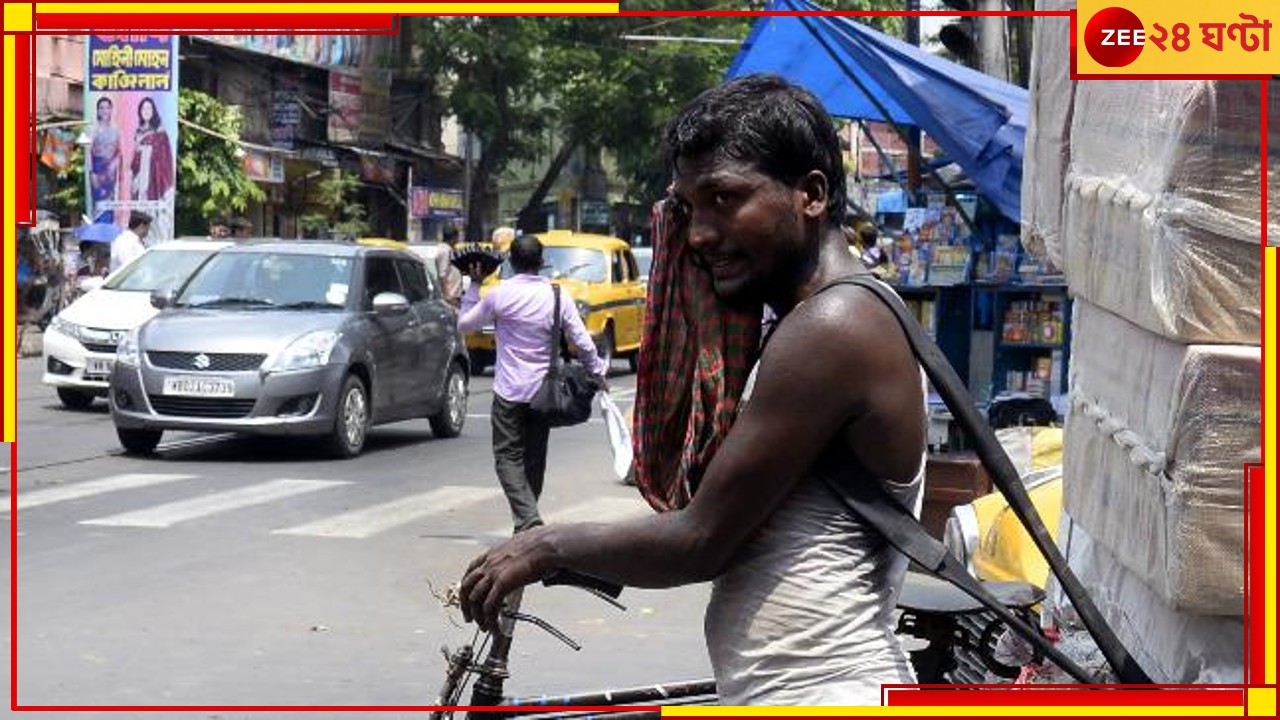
pixel 168 514
pixel 379 518
pixel 46 496
pixel 603 510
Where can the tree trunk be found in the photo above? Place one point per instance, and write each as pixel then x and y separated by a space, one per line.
pixel 479 189
pixel 530 218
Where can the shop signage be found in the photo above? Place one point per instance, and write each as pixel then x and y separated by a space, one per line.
pixel 426 202
pixel 325 50
pixel 345 106
pixel 593 212
pixel 131 116
pixel 263 167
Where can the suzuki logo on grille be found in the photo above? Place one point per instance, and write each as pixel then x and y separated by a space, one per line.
pixel 201 361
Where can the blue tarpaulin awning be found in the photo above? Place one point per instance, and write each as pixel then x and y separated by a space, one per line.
pixel 979 121
pixel 97 232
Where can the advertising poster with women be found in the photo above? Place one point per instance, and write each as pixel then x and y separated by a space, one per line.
pixel 131 111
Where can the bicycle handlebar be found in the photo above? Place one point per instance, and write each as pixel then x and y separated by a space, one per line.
pixel 596 586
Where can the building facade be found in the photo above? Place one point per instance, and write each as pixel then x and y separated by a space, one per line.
pixel 310 104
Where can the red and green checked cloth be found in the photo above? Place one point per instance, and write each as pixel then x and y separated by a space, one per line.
pixel 695 357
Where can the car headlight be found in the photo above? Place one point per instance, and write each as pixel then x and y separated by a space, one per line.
pixel 961 535
pixel 583 308
pixel 127 352
pixel 309 351
pixel 69 329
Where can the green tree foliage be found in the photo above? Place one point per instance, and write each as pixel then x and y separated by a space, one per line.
pixel 68 196
pixel 486 69
pixel 510 79
pixel 338 212
pixel 211 178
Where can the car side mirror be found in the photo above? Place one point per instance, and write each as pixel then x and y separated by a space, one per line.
pixel 389 303
pixel 161 299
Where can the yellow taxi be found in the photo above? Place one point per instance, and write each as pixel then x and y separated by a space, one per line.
pixel 987 535
pixel 600 276
pixel 382 242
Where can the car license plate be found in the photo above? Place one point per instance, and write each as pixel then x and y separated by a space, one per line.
pixel 98 366
pixel 192 386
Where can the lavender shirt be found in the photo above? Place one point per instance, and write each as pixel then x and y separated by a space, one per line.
pixel 520 308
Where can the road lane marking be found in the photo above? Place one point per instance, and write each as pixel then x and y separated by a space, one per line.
pixel 175 512
pixel 380 518
pixel 602 510
pixel 45 496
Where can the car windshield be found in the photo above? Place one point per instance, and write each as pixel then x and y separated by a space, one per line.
pixel 270 280
pixel 574 263
pixel 158 270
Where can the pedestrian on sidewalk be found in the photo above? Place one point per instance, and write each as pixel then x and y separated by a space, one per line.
pixel 521 309
pixel 733 440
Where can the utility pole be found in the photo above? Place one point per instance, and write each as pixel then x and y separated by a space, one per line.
pixel 993 53
pixel 913 131
pixel 409 234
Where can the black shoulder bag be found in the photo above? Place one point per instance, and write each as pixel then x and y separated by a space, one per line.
pixel 904 532
pixel 568 389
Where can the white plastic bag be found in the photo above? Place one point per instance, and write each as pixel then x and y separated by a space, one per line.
pixel 619 435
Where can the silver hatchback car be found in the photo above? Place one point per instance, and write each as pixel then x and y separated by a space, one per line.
pixel 294 338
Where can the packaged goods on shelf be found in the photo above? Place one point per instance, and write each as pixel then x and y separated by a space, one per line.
pixel 1156 443
pixel 1173 647
pixel 1161 221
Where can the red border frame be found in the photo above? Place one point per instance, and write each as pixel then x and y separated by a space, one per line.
pixel 24 199
pixel 368 24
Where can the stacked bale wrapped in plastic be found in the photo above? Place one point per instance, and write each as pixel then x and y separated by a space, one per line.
pixel 1149 195
pixel 1048 140
pixel 1156 443
pixel 1162 205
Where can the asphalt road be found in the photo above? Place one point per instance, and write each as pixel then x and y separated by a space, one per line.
pixel 230 572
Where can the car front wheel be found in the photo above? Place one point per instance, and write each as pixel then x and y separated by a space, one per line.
pixel 352 421
pixel 139 442
pixel 75 399
pixel 449 421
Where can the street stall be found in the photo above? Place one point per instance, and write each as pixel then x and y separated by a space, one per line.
pixel 1001 315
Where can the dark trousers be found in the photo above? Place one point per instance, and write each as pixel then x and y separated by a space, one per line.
pixel 520 457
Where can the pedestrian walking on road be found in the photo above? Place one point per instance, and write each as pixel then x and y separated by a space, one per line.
pixel 130 243
pixel 733 439
pixel 521 309
pixel 450 277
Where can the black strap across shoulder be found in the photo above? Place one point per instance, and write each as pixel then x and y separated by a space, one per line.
pixel 555 329
pixel 904 532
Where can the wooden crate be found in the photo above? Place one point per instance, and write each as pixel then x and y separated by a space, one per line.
pixel 951 479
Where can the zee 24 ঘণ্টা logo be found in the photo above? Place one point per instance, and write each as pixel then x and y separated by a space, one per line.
pixel 1115 36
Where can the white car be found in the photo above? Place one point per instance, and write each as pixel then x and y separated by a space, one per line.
pixel 80 342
